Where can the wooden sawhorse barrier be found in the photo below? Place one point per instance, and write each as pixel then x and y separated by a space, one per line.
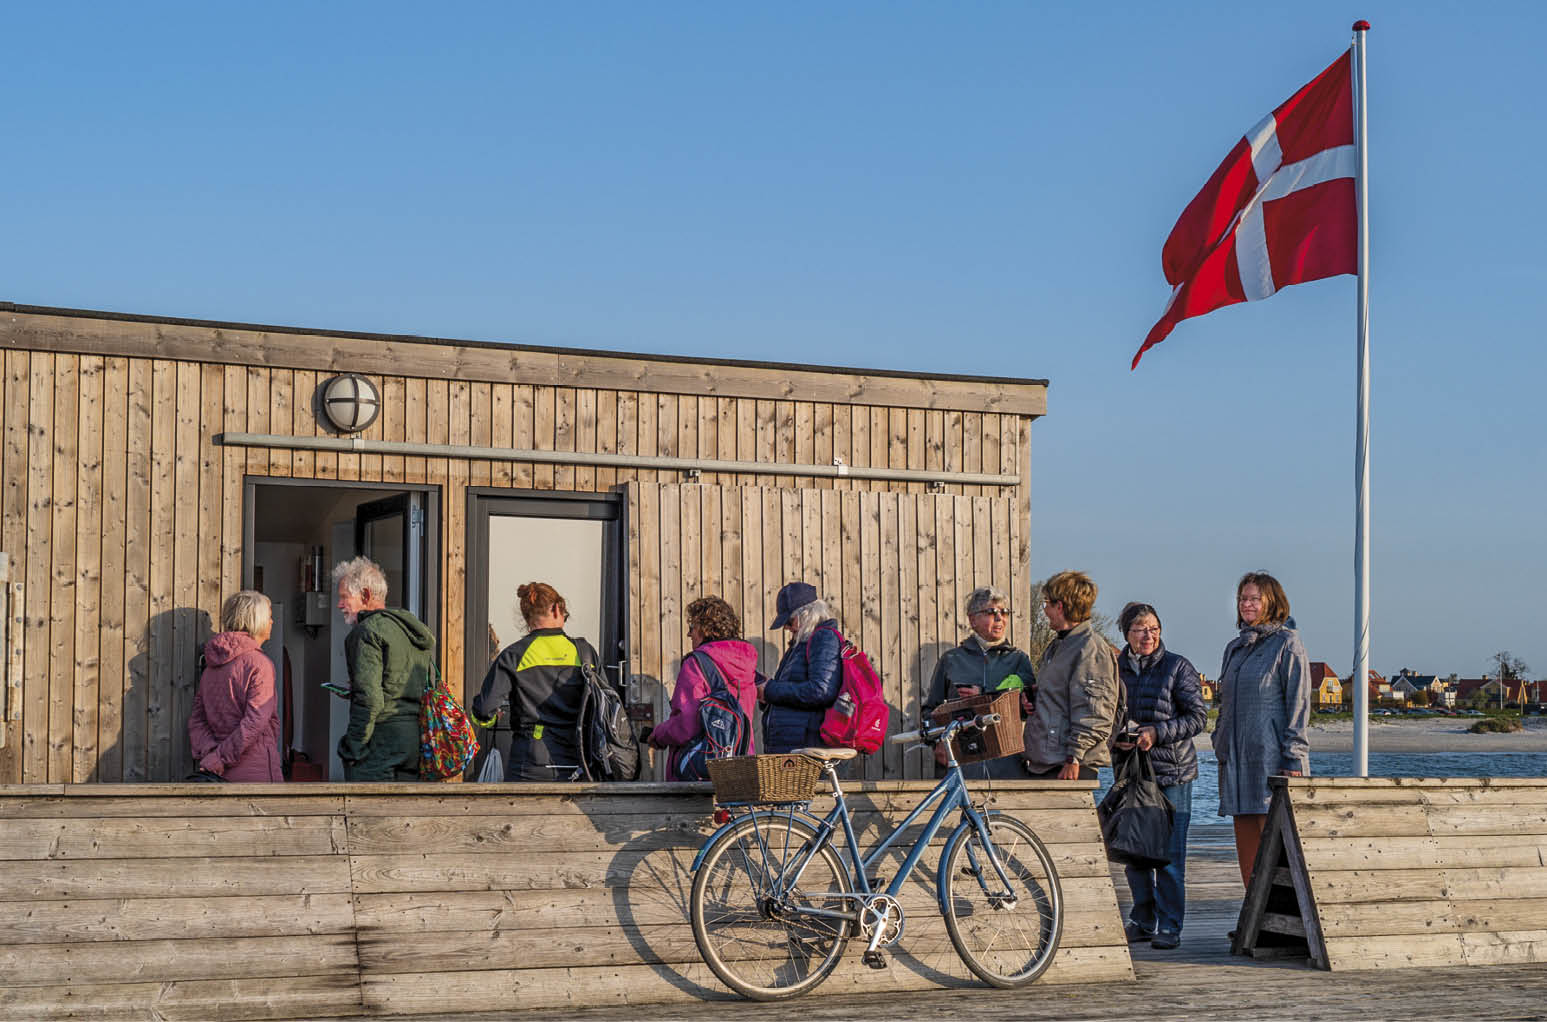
pixel 205 901
pixel 1374 873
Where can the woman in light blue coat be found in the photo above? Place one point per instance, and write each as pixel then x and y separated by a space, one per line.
pixel 1264 709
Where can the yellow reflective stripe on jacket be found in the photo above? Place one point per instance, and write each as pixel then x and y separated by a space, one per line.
pixel 550 651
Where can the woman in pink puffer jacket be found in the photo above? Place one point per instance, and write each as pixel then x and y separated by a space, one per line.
pixel 234 731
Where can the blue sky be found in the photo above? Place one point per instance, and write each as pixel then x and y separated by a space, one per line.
pixel 977 188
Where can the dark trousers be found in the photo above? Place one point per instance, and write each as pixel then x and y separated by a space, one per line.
pixel 392 754
pixel 1160 895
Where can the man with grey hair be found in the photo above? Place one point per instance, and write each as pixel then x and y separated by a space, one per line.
pixel 391 658
pixel 985 662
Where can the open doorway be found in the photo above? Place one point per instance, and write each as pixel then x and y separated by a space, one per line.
pixel 295 532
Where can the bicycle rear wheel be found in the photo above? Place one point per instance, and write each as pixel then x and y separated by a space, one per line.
pixel 1006 937
pixel 747 900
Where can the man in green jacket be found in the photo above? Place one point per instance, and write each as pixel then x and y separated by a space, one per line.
pixel 391 655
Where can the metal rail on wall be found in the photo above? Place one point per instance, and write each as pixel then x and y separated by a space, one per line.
pixel 838 470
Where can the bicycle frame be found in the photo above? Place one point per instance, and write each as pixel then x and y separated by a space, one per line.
pixel 951 794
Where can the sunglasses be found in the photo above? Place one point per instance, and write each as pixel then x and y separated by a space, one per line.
pixel 998 612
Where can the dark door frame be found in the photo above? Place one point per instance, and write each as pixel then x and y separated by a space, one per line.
pixel 434 614
pixel 611 508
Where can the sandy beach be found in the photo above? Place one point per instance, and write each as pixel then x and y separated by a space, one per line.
pixel 1427 734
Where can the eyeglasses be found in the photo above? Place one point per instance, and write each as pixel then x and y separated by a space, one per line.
pixel 1144 631
pixel 998 612
pixel 1248 599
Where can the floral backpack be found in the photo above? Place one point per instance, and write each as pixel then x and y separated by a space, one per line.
pixel 446 740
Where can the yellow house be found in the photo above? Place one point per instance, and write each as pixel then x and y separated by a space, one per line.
pixel 1329 690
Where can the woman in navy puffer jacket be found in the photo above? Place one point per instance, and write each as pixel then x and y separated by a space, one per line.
pixel 1166 709
pixel 809 673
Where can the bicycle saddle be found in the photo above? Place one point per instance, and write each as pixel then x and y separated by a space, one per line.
pixel 833 755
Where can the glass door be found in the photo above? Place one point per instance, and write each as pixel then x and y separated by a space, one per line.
pixel 573 544
pixel 392 533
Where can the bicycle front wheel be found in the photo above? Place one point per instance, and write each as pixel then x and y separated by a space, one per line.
pixel 752 907
pixel 1006 935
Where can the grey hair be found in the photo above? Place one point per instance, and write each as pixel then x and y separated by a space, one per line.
pixel 360 574
pixel 985 597
pixel 808 617
pixel 245 611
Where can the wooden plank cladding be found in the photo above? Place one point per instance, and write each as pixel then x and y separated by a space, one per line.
pixel 851 546
pixel 88 333
pixel 1402 872
pixel 126 521
pixel 253 901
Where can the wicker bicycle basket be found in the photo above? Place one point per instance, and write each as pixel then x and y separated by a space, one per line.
pixel 783 777
pixel 1006 738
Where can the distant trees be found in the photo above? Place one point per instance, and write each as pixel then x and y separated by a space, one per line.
pixel 1509 668
pixel 1511 671
pixel 1042 633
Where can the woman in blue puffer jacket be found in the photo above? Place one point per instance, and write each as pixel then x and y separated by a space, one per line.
pixel 1166 711
pixel 809 674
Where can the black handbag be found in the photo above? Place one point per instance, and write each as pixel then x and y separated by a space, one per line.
pixel 1136 816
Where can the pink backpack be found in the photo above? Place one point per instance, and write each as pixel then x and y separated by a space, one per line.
pixel 859 717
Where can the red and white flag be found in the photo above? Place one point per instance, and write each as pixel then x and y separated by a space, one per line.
pixel 1280 210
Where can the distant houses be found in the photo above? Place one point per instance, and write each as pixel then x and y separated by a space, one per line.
pixel 1487 692
pixel 1407 688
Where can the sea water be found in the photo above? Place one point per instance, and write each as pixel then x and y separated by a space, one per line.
pixel 1205 790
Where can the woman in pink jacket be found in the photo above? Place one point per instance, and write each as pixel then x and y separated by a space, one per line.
pixel 715 630
pixel 234 731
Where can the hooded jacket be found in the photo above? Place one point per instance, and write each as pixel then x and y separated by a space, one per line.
pixel 1076 701
pixel 540 676
pixel 804 686
pixel 737 663
pixel 233 710
pixel 391 655
pixel 1264 709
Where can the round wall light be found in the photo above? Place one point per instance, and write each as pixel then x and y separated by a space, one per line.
pixel 350 402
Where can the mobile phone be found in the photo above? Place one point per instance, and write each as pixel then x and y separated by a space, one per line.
pixel 336 688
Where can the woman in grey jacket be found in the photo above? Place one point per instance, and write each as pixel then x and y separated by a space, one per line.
pixel 1264 708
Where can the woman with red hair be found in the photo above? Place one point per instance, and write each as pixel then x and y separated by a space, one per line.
pixel 540 676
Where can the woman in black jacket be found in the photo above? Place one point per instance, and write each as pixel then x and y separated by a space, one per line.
pixel 540 677
pixel 1166 710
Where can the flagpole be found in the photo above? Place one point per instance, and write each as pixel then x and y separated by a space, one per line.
pixel 1362 442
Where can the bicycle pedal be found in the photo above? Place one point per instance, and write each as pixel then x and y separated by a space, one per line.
pixel 874 959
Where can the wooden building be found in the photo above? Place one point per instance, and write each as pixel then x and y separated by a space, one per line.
pixel 152 466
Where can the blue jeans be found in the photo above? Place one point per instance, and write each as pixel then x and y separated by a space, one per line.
pixel 1160 895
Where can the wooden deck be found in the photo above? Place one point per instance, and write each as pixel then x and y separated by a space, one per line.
pixel 1199 982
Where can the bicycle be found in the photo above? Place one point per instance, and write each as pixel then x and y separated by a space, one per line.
pixel 774 904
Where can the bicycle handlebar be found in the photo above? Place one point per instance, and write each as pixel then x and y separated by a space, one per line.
pixel 937 732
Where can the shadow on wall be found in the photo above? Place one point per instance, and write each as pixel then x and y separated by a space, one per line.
pixel 163 674
pixel 650 880
pixel 920 763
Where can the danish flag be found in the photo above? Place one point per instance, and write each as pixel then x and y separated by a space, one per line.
pixel 1280 210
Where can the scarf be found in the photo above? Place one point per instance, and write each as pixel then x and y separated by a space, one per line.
pixel 1140 664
